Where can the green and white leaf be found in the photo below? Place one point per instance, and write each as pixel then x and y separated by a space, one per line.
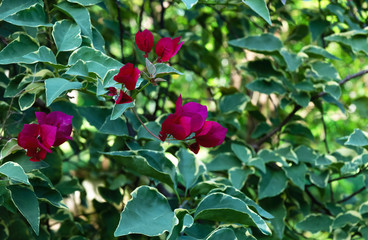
pixel 56 86
pixel 67 35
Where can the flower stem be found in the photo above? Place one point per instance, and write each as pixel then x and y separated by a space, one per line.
pixel 140 90
pixel 136 114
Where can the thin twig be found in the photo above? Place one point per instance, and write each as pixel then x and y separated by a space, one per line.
pixel 298 107
pixel 324 131
pixel 348 176
pixel 136 114
pixel 351 195
pixel 121 29
pixel 141 16
pixel 314 200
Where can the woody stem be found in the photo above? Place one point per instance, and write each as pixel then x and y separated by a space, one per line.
pixel 136 114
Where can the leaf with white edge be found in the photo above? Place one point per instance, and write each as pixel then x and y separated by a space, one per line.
pixel 299 129
pixel 148 163
pixel 19 47
pixel 189 3
pixel 363 209
pixel 350 217
pixel 358 138
pixel 288 153
pixel 223 161
pixel 268 155
pixel 242 152
pixel 150 68
pixel 80 15
pixel 14 171
pixel 266 86
pixel 319 179
pixel 85 2
pixel 9 147
pixel 264 43
pixel 185 220
pixel 296 174
pixel 325 71
pixel 10 7
pixel 315 223
pixel 154 127
pixel 233 103
pixel 117 127
pixel 325 159
pixel 238 176
pixel 43 54
pixel 189 167
pixel 356 40
pixel 96 61
pixel 306 154
pixel 56 86
pixel 272 183
pixel 332 88
pixel 293 61
pixel 148 212
pixel 276 207
pixel 26 202
pixel 67 35
pixel 164 69
pixel 26 100
pixel 119 109
pixel 225 208
pixel 78 69
pixel 258 163
pixel 32 17
pixel 260 7
pixel 318 52
pixel 222 234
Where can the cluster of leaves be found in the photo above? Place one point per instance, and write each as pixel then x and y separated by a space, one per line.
pixel 284 78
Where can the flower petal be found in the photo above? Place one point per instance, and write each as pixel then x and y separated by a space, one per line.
pixel 211 135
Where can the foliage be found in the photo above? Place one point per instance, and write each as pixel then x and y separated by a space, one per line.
pixel 286 78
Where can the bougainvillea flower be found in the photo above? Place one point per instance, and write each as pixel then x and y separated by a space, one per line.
pixel 144 41
pixel 210 135
pixel 166 48
pixel 123 98
pixel 112 91
pixel 37 140
pixel 128 75
pixel 60 120
pixel 186 120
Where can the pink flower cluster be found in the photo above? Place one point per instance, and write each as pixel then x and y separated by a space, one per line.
pixel 128 75
pixel 52 129
pixel 191 118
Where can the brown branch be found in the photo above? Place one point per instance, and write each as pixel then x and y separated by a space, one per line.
pixel 121 30
pixel 298 107
pixel 141 16
pixel 351 195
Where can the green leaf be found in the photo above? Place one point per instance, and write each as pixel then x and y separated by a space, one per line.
pixel 80 15
pixel 318 52
pixel 363 209
pixel 32 17
pixel 14 171
pixel 277 208
pixel 56 86
pixel 325 159
pixel 189 3
pixel 150 68
pixel 301 98
pixel 113 196
pixel 259 6
pixel 185 221
pixel 96 61
pixel 116 127
pixel 242 152
pixel 296 174
pixel 319 179
pixel 332 88
pixel 189 167
pixel 271 156
pixel 225 208
pixel 267 86
pixel 148 163
pixel 119 109
pixel 325 71
pixel 26 202
pixel 26 100
pixel 354 39
pixel 349 217
pixel 9 147
pixel 264 43
pixel 358 138
pixel 79 69
pixel 154 127
pixel 288 153
pixel 85 2
pixel 10 7
pixel 164 69
pixel 67 35
pixel 315 223
pixel 147 213
pixel 272 183
pixel 222 234
pixel 258 163
pixel 223 161
pixel 293 61
pixel 233 103
pixel 306 154
pixel 299 129
pixel 238 176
